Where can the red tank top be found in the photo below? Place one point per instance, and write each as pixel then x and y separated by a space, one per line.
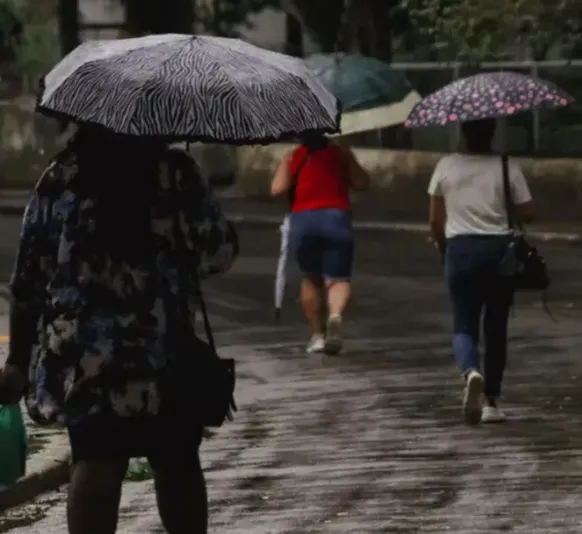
pixel 322 181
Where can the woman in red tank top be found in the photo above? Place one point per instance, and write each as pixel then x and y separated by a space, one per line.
pixel 317 177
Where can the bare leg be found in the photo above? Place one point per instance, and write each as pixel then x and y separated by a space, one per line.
pixel 94 495
pixel 181 495
pixel 338 296
pixel 313 303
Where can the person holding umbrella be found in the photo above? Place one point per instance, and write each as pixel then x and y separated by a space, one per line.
pixel 468 224
pixel 116 239
pixel 473 199
pixel 317 177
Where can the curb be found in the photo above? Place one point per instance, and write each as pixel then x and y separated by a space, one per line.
pixel 11 210
pixel 259 220
pixel 30 486
pixel 267 220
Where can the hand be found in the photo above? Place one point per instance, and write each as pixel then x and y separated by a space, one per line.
pixel 13 384
pixel 441 248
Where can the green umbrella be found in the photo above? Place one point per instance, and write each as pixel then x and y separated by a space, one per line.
pixel 373 95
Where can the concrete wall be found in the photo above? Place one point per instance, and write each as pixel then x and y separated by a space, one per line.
pixel 28 140
pixel 400 179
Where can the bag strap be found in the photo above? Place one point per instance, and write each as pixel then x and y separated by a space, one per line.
pixel 507 192
pixel 184 271
pixel 295 177
pixel 512 222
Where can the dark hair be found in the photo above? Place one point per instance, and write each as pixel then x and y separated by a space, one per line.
pixel 314 141
pixel 120 173
pixel 479 134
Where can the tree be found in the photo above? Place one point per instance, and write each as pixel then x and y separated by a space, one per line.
pixel 218 17
pixel 365 26
pixel 158 16
pixel 12 14
pixel 322 18
pixel 28 45
pixel 476 30
pixel 294 36
pixel 68 15
pixel 225 17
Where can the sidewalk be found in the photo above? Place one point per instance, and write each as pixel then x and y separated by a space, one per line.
pixel 47 466
pixel 371 441
pixel 265 212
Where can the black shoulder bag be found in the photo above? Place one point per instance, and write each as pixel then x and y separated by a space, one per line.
pixel 198 381
pixel 522 261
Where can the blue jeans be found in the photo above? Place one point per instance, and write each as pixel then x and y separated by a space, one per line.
pixel 475 286
pixel 323 243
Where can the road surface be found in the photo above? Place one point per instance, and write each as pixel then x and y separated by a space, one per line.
pixel 371 441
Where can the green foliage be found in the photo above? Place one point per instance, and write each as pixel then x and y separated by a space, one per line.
pixel 369 27
pixel 477 30
pixel 11 12
pixel 219 17
pixel 36 52
pixel 11 16
pixel 29 46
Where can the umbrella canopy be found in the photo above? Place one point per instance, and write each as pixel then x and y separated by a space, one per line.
pixel 484 96
pixel 373 95
pixel 185 87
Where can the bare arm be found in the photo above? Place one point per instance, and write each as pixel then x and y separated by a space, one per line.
pixel 437 213
pixel 437 217
pixel 26 287
pixel 525 208
pixel 283 177
pixel 358 178
pixel 526 212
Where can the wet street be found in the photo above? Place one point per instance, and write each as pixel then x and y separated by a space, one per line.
pixel 372 441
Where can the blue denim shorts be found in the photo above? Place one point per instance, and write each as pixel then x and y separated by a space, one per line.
pixel 322 242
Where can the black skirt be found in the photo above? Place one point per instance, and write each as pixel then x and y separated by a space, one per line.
pixel 161 439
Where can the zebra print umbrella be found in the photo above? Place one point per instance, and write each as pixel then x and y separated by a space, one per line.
pixel 184 87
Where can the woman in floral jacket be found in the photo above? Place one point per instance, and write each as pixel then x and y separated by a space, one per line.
pixel 95 317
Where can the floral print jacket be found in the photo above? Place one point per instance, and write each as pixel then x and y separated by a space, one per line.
pixel 105 321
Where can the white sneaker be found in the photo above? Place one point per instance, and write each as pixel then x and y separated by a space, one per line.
pixel 492 414
pixel 316 344
pixel 333 338
pixel 473 401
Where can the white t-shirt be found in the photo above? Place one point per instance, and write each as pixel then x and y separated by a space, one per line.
pixel 472 186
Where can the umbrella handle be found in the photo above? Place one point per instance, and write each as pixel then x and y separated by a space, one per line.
pixel 277 313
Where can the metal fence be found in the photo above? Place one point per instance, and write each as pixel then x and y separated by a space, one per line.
pixel 555 133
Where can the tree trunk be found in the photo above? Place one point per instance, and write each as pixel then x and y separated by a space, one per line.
pixel 145 17
pixel 294 36
pixel 68 13
pixel 363 43
pixel 380 20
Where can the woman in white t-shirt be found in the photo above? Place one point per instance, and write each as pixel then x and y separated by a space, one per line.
pixel 468 222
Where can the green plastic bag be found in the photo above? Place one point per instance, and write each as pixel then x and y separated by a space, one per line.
pixel 13 445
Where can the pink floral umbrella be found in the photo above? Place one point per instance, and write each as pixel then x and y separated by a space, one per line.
pixel 484 96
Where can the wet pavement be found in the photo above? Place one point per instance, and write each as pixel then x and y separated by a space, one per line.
pixel 371 441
